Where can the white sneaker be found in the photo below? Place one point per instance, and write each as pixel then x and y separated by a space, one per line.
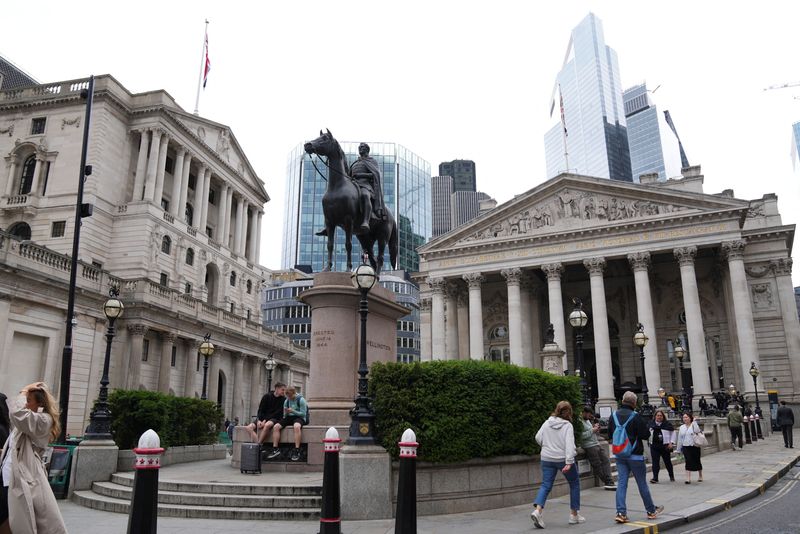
pixel 576 519
pixel 536 517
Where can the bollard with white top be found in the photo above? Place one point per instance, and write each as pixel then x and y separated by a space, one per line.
pixel 406 517
pixel 746 425
pixel 143 515
pixel 330 520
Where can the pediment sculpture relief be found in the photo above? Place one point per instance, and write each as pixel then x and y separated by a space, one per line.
pixel 570 209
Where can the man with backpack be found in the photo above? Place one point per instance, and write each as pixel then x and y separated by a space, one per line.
pixel 295 413
pixel 628 433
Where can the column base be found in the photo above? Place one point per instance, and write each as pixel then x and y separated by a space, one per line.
pixel 605 406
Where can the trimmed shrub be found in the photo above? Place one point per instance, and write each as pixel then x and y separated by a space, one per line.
pixel 467 409
pixel 177 420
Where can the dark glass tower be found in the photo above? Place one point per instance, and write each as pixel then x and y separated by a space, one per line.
pixel 463 173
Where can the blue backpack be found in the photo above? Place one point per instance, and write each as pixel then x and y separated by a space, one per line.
pixel 621 446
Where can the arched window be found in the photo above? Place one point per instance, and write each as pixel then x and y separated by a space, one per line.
pixel 233 278
pixel 166 244
pixel 26 180
pixel 189 256
pixel 189 214
pixel 249 286
pixel 21 230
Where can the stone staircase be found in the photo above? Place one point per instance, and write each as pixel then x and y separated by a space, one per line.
pixel 209 500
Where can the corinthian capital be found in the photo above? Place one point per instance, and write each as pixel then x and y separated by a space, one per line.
pixel 640 261
pixel 553 271
pixel 733 250
pixel 512 276
pixel 437 285
pixel 595 265
pixel 137 329
pixel 781 266
pixel 473 280
pixel 425 305
pixel 685 255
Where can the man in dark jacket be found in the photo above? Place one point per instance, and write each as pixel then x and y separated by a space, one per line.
pixel 786 422
pixel 270 411
pixel 634 464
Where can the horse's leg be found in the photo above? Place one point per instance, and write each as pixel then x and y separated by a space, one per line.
pixel 331 229
pixel 348 245
pixel 381 247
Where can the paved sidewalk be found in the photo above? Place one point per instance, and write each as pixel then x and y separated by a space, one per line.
pixel 730 478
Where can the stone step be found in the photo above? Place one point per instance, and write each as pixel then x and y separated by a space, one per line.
pixel 117 491
pixel 92 500
pixel 224 488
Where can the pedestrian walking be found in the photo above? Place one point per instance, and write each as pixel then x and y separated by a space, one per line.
pixel 785 420
pixel 735 420
pixel 628 433
pixel 661 432
pixel 32 507
pixel 557 439
pixel 687 444
pixel 596 453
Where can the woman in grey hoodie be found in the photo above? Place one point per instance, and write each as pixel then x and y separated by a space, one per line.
pixel 558 454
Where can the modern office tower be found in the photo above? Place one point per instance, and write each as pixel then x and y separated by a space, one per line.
pixel 653 145
pixel 463 173
pixel 406 192
pixel 441 213
pixel 12 77
pixel 464 206
pixel 594 127
pixel 795 144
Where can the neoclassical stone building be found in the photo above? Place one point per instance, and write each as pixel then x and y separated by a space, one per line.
pixel 176 226
pixel 710 270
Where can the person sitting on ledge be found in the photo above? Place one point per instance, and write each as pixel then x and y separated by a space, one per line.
pixel 295 410
pixel 270 412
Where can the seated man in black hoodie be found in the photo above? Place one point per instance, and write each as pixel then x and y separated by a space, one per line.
pixel 270 412
pixel 637 431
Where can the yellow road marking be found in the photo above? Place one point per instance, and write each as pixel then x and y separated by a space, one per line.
pixel 717 501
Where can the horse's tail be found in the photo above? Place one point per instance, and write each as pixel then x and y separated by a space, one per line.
pixel 393 251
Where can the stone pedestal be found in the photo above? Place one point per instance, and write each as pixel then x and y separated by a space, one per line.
pixel 365 474
pixel 93 461
pixel 334 351
pixel 552 359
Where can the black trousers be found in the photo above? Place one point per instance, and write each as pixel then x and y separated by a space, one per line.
pixel 787 435
pixel 658 453
pixel 736 432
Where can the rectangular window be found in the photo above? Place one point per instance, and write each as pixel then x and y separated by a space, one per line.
pixel 248 315
pixel 233 307
pixel 212 197
pixel 165 204
pixel 169 166
pixel 37 125
pixel 97 264
pixel 174 359
pixel 209 232
pixel 192 181
pixel 188 288
pixel 164 281
pixel 58 228
pixel 145 349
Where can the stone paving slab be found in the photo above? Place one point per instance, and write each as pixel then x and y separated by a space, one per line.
pixel 730 478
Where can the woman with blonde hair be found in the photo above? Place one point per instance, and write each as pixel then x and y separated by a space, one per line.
pixel 32 507
pixel 557 439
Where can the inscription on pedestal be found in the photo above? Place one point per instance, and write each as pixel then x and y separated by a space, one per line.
pixel 321 338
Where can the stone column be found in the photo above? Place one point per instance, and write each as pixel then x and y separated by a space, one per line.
pixel 243 231
pixel 213 376
pixel 190 373
pixel 226 241
pixel 640 264
pixel 425 349
pixel 536 327
pixel 438 351
pixel 206 189
pixel 37 172
pixel 462 318
pixel 141 163
pixel 162 164
pixel 221 213
pixel 237 226
pixel 251 252
pixel 136 333
pixel 745 328
pixel 152 165
pixel 782 267
pixel 12 172
pixel 525 286
pixel 602 343
pixel 512 277
pixel 165 365
pixel 712 363
pixel 255 388
pixel 187 170
pixel 451 321
pixel 474 281
pixel 257 257
pixel 198 198
pixel 177 177
pixel 554 272
pixel 694 323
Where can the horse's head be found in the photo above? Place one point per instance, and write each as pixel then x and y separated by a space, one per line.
pixel 324 145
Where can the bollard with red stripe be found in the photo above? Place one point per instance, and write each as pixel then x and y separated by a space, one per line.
pixel 330 521
pixel 405 521
pixel 143 515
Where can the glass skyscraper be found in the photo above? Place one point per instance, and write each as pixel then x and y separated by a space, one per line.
pixel 406 191
pixel 594 118
pixel 795 144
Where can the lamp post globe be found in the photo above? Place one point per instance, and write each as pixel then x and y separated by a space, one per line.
pixel 640 339
pixel 578 320
pixel 362 418
pixel 270 364
pixel 207 350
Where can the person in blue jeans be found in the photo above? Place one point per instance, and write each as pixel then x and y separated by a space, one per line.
pixel 557 439
pixel 637 432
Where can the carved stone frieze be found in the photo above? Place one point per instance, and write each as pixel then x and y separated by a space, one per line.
pixel 762 296
pixel 75 121
pixel 758 272
pixel 425 305
pixel 8 129
pixel 437 285
pixel 781 266
pixel 756 209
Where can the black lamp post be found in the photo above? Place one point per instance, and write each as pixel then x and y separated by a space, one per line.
pixel 269 363
pixel 640 339
pixel 100 420
pixel 754 372
pixel 362 417
pixel 206 349
pixel 680 353
pixel 578 319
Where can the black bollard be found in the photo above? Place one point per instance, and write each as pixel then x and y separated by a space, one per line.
pixel 405 521
pixel 758 427
pixel 330 520
pixel 143 515
pixel 753 433
pixel 746 425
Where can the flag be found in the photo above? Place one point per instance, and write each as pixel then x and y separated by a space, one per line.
pixel 561 103
pixel 207 64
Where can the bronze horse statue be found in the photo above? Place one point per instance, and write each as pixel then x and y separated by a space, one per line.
pixel 341 207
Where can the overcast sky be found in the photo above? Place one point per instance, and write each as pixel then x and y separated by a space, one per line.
pixel 446 79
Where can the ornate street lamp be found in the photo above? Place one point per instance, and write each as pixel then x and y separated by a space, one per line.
pixel 206 349
pixel 100 420
pixel 578 319
pixel 362 423
pixel 680 353
pixel 754 372
pixel 640 339
pixel 270 364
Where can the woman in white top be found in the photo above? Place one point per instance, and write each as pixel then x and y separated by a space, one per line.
pixel 686 445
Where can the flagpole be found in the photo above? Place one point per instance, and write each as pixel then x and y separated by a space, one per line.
pixel 202 67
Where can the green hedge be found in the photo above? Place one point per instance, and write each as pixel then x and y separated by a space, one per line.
pixel 466 409
pixel 177 420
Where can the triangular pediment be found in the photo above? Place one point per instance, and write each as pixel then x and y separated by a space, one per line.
pixel 571 203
